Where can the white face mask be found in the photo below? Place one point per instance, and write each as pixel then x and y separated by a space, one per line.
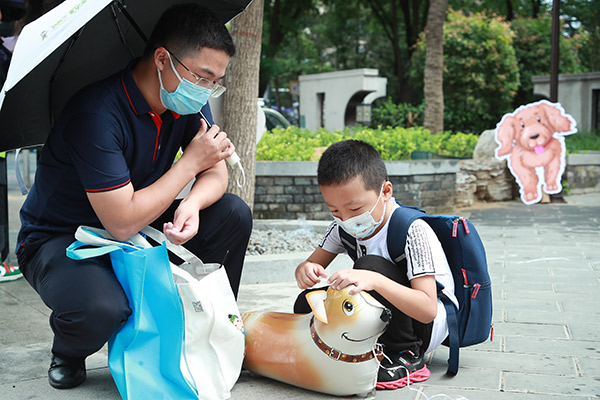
pixel 363 225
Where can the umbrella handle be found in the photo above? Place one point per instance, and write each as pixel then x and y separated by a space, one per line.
pixel 233 159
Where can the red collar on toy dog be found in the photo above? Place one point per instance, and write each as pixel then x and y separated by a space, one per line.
pixel 336 354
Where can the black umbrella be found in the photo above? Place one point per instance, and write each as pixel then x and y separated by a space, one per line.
pixel 76 43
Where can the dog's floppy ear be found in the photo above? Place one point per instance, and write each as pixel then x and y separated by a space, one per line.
pixel 316 301
pixel 555 118
pixel 505 133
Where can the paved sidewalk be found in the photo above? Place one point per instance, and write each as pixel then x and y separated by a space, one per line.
pixel 544 262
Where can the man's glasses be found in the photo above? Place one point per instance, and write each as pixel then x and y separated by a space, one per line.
pixel 215 87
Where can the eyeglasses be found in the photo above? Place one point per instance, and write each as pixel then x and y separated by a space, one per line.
pixel 215 87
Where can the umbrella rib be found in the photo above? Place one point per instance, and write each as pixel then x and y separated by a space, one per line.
pixel 131 20
pixel 118 25
pixel 56 70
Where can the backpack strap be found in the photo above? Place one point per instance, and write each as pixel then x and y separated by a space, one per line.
pixel 453 341
pixel 349 243
pixel 399 223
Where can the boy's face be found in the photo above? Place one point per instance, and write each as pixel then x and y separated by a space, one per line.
pixel 353 198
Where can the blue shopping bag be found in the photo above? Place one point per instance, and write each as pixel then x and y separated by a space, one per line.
pixel 144 356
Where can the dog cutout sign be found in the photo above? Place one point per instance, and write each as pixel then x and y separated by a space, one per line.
pixel 532 141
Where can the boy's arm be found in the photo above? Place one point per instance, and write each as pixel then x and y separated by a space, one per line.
pixel 418 301
pixel 309 272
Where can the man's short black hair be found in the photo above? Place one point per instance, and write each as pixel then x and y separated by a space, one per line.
pixel 186 28
pixel 343 161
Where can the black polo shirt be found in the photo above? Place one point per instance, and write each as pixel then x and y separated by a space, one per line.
pixel 106 137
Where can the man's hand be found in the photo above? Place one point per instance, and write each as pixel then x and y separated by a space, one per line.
pixel 207 148
pixel 309 274
pixel 185 223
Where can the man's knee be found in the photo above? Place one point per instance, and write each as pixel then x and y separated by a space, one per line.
pixel 239 213
pixel 89 326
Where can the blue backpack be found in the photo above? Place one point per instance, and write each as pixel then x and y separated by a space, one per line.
pixel 471 323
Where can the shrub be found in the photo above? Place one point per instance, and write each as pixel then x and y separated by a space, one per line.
pixel 583 141
pixel 385 113
pixel 295 144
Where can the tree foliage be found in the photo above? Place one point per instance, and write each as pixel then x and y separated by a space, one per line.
pixel 481 75
pixel 532 46
pixel 312 36
pixel 582 22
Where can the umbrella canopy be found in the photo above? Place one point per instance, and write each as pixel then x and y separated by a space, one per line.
pixel 76 43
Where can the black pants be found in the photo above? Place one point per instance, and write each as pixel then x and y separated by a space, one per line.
pixel 3 210
pixel 403 332
pixel 88 303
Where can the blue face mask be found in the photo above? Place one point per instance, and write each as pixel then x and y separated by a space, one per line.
pixel 187 98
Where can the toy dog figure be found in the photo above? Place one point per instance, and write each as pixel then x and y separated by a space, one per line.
pixel 330 350
pixel 532 141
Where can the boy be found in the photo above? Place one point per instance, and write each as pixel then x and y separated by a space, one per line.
pixel 353 181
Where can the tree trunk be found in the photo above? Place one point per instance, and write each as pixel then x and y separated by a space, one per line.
pixel 240 102
pixel 434 67
pixel 510 12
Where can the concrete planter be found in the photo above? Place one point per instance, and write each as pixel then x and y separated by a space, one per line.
pixel 289 190
pixel 582 174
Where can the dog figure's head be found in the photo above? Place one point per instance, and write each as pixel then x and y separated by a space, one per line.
pixel 350 323
pixel 531 127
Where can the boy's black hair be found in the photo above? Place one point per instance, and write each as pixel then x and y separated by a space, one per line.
pixel 342 161
pixel 185 28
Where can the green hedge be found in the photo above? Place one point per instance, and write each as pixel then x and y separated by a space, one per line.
pixel 582 142
pixel 295 144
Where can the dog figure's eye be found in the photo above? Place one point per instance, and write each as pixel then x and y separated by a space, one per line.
pixel 538 119
pixel 348 308
pixel 523 124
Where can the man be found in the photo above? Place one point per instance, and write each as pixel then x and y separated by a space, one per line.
pixel 108 162
pixel 10 10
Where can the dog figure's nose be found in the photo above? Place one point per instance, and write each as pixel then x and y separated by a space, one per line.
pixel 386 315
pixel 537 135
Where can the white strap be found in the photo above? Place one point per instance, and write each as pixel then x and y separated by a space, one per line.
pixel 180 251
pixel 187 256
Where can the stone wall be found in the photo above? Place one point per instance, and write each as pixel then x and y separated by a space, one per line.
pixel 289 190
pixel 582 174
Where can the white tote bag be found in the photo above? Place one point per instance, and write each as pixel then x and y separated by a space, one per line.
pixel 213 348
pixel 214 334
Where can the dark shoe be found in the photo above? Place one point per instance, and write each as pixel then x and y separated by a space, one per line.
pixel 398 369
pixel 65 374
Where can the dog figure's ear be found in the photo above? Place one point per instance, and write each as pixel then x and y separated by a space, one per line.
pixel 558 122
pixel 506 132
pixel 316 301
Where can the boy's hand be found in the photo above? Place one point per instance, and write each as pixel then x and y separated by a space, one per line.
pixel 309 274
pixel 362 279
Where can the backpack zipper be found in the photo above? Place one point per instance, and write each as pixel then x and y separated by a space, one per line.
pixel 455 222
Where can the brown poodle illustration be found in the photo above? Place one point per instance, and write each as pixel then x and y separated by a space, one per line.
pixel 532 141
